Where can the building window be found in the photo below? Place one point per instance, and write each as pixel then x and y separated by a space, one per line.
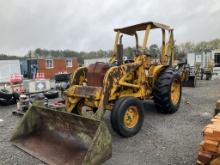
pixel 69 62
pixel 217 59
pixel 49 63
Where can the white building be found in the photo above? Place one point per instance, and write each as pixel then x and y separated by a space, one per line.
pixel 7 68
pixel 94 60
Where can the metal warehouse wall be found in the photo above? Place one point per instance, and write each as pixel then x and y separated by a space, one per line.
pixel 59 65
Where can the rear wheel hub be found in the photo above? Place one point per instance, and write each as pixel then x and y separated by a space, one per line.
pixel 131 117
pixel 175 91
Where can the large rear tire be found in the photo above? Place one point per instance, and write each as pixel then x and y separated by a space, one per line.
pixel 167 91
pixel 127 116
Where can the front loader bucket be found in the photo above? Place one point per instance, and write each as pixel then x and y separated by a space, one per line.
pixel 191 82
pixel 62 138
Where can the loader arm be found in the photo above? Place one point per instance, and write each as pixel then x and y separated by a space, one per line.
pixel 79 76
pixel 112 81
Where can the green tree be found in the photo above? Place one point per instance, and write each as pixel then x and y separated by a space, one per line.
pixel 128 52
pixel 202 47
pixel 154 50
pixel 187 47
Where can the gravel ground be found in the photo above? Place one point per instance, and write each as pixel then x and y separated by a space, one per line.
pixel 163 139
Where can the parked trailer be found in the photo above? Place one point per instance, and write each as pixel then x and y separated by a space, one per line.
pixel 203 59
pixel 203 64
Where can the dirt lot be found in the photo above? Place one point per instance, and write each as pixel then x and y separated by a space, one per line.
pixel 163 139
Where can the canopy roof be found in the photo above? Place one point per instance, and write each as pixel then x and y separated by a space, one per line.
pixel 131 30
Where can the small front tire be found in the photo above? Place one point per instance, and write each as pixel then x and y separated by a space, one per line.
pixel 127 116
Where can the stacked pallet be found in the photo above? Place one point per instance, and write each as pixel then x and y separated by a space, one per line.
pixel 209 152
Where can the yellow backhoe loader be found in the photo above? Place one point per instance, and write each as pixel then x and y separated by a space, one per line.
pixel 79 135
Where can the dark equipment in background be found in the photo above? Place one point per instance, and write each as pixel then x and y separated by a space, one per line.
pixel 29 68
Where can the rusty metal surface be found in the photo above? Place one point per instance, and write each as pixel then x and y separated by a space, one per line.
pixel 131 30
pixel 79 76
pixel 115 75
pixel 62 138
pixel 111 80
pixel 53 148
pixel 87 91
pixel 96 73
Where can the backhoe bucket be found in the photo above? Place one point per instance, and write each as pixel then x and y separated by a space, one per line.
pixel 191 82
pixel 62 138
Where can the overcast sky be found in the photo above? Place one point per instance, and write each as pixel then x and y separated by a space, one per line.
pixel 85 25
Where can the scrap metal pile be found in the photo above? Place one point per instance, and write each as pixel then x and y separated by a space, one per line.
pixel 209 152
